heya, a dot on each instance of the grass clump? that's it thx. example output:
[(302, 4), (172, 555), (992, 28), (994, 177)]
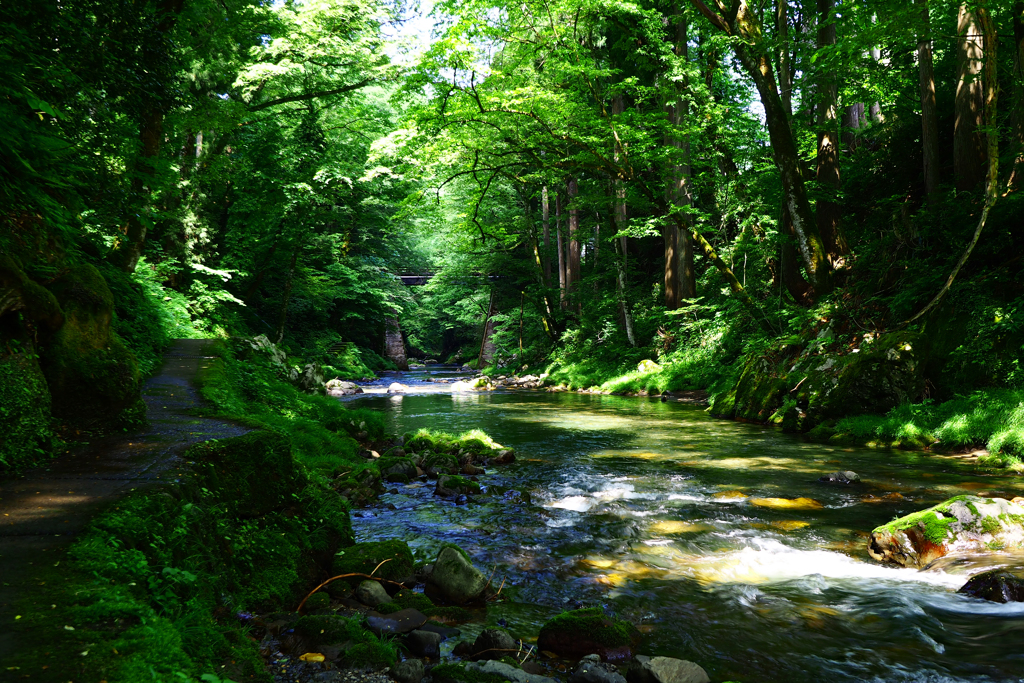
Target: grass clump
[(474, 441), (993, 418)]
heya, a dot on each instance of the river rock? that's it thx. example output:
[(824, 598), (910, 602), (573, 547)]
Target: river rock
[(397, 388), (503, 457), (409, 671), (592, 670), (997, 585), (424, 643), (506, 671), (494, 643), (451, 486), (337, 387), (960, 524), (843, 478), (455, 578), (588, 631), (461, 387), (404, 621), (665, 670), (371, 593)]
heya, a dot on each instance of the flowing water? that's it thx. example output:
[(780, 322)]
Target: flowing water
[(674, 520)]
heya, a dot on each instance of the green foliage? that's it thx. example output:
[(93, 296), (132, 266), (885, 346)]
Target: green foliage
[(474, 441), (24, 413), (993, 418)]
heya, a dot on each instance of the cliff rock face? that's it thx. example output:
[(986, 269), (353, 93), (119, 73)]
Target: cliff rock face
[(958, 525), (801, 388)]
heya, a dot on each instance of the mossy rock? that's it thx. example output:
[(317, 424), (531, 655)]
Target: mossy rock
[(588, 631), (397, 469), (93, 377), (318, 600), (24, 414), (449, 485), (326, 629), (440, 463), (362, 558), (254, 473), (32, 300), (450, 672), (960, 524)]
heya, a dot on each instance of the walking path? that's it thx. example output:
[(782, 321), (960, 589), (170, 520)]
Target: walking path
[(42, 512)]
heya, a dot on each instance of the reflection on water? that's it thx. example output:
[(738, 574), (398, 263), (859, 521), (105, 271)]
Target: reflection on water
[(714, 536)]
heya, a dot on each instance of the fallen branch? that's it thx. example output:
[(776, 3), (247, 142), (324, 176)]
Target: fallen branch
[(346, 576)]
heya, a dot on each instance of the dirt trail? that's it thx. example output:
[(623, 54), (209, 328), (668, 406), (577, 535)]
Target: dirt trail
[(41, 513)]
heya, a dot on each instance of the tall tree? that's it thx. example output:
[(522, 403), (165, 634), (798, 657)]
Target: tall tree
[(828, 212), (679, 246), (741, 21), (1017, 116), (968, 138), (929, 110)]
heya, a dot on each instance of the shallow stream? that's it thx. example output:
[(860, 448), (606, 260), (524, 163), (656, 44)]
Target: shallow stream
[(673, 519)]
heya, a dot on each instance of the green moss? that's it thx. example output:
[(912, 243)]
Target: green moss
[(453, 482), (363, 558), (457, 673), (327, 629), (24, 414), (372, 653), (597, 627), (318, 600), (936, 530), (990, 525)]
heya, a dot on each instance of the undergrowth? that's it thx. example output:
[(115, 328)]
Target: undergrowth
[(993, 418), (243, 386)]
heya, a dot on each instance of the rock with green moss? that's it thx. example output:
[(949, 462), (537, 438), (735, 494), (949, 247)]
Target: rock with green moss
[(318, 600), (93, 377), (325, 629), (363, 558), (451, 485), (960, 524), (455, 578), (665, 670), (440, 463), (397, 470), (589, 631), (24, 413)]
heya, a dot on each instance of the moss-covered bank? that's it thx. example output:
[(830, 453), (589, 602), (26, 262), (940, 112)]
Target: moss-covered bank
[(161, 585)]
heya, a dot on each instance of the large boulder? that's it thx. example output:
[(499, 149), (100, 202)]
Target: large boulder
[(798, 387), (93, 377), (997, 585), (455, 577), (665, 670), (337, 387), (960, 524), (588, 631)]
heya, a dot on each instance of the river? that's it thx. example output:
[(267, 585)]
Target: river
[(673, 519)]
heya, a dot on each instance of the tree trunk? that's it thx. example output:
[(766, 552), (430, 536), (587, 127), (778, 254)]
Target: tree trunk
[(572, 275), (682, 187), (151, 134), (287, 295), (929, 111), (562, 284), (968, 140), (752, 51), (785, 72), (828, 209), (789, 264), (620, 215), (1017, 117), (545, 209), (852, 116)]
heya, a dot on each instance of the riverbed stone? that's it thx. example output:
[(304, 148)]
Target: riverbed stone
[(424, 643), (450, 486), (403, 621), (842, 478), (371, 593), (960, 524), (391, 560), (665, 670), (997, 585), (397, 388), (494, 643), (337, 387), (455, 578), (409, 671), (592, 670), (506, 671), (589, 631)]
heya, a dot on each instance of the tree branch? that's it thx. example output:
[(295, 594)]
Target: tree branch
[(313, 95)]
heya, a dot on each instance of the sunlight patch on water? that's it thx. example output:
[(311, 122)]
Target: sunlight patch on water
[(787, 503), (678, 527)]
